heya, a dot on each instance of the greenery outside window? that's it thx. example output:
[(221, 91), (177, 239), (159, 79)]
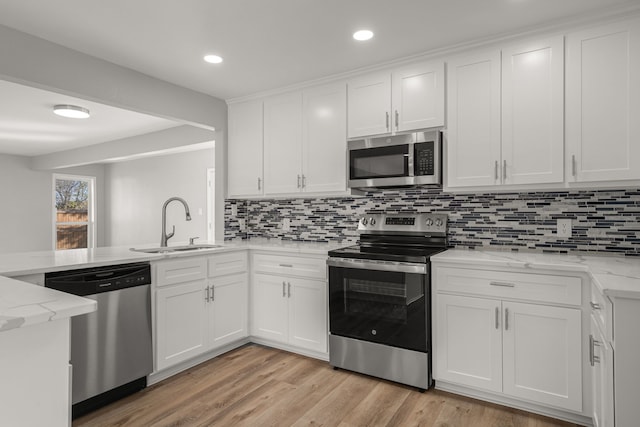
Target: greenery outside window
[(74, 212)]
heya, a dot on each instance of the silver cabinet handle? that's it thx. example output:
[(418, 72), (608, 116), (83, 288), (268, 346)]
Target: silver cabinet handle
[(207, 297), (593, 359), (496, 170), (573, 165), (259, 184), (387, 113), (504, 170), (284, 294), (213, 293), (286, 265), (289, 289), (397, 120), (503, 284), (497, 318), (595, 306), (506, 319), (298, 181), (304, 181)]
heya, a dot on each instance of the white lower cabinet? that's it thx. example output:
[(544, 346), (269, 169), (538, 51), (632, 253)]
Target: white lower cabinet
[(530, 351), (601, 360), (290, 309), (202, 314)]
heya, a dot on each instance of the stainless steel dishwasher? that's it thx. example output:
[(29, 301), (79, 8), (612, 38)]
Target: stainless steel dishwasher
[(111, 349)]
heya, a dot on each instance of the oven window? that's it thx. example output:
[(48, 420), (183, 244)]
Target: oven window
[(381, 162), (379, 306)]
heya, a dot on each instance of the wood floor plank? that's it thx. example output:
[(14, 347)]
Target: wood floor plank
[(261, 386)]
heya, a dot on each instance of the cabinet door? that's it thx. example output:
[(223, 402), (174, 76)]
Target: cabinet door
[(533, 112), (181, 314), (542, 354), (270, 304), (308, 314), (369, 105), (601, 358), (324, 149), (283, 144), (418, 96), (603, 103), (244, 170), (473, 116), (228, 313), (468, 342)]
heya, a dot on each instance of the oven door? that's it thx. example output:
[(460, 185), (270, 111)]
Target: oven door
[(380, 301)]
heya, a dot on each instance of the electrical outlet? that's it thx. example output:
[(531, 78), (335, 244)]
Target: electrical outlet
[(286, 224), (564, 227)]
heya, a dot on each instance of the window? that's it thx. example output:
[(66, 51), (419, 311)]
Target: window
[(74, 220)]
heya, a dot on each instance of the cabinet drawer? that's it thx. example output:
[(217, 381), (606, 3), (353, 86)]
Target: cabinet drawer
[(227, 263), (314, 268), (180, 271), (602, 311), (502, 284)]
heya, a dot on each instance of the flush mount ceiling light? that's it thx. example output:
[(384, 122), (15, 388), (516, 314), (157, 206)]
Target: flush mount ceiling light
[(363, 35), (213, 59), (71, 111)]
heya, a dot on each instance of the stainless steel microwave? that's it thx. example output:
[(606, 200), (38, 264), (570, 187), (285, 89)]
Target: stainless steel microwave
[(396, 161)]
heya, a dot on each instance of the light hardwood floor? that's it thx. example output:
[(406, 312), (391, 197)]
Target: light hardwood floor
[(260, 386)]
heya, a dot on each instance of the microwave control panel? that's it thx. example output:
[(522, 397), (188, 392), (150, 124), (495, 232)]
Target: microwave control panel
[(424, 158)]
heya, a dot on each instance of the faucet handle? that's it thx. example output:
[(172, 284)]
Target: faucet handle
[(173, 231), (191, 239)]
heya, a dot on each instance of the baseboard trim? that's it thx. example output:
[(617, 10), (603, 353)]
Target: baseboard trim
[(514, 403)]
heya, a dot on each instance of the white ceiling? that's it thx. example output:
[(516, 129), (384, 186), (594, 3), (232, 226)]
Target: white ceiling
[(28, 126), (266, 44)]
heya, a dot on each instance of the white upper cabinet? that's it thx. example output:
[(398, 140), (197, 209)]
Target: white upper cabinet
[(245, 149), (369, 100), (533, 112), (603, 103), (405, 99), (283, 144), (505, 116), (324, 147), (473, 115), (418, 96)]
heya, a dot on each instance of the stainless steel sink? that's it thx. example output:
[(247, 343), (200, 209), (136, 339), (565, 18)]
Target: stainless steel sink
[(169, 249)]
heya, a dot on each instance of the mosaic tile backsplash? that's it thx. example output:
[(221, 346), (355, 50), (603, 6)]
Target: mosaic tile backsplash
[(602, 221)]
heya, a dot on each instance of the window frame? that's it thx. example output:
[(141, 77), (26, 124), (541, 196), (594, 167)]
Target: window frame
[(91, 219)]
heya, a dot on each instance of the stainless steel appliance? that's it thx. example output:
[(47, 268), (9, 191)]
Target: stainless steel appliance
[(380, 297), (111, 350), (396, 161)]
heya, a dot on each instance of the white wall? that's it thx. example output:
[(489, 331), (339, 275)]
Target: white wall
[(137, 189), (26, 208)]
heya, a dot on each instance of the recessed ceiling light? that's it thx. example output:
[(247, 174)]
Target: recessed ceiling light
[(213, 59), (363, 35), (71, 111)]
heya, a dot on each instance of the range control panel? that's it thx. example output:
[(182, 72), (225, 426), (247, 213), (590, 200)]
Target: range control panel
[(425, 223)]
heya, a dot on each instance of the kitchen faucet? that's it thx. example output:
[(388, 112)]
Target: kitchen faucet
[(165, 236)]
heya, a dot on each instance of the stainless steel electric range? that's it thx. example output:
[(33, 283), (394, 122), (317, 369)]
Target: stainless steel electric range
[(380, 297)]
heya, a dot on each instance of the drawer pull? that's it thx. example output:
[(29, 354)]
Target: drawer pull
[(503, 284), (595, 305), (286, 265), (284, 292), (497, 318)]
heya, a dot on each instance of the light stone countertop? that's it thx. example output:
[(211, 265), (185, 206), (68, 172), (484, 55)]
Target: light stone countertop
[(23, 304), (615, 276)]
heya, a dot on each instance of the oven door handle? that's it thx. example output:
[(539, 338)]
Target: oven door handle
[(360, 264)]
